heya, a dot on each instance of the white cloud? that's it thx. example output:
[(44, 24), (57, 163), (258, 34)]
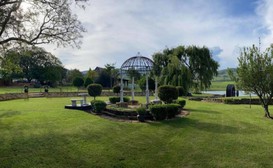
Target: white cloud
[(119, 29)]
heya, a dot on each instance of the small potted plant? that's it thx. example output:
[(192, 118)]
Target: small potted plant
[(141, 114)]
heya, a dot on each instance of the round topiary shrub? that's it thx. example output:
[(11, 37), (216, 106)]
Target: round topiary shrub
[(88, 81), (164, 111), (158, 112), (98, 105), (167, 93), (116, 89), (78, 82), (172, 110), (94, 90)]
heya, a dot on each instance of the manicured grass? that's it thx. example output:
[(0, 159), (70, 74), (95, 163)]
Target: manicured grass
[(17, 89), (220, 85), (41, 133)]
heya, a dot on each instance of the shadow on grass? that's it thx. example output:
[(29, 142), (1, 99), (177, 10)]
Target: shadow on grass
[(53, 149), (203, 111), (9, 114), (180, 123), (50, 150)]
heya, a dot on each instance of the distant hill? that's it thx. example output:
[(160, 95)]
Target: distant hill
[(223, 75)]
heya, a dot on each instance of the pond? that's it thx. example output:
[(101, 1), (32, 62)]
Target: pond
[(241, 93)]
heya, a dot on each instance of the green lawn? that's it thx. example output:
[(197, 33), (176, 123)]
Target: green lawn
[(220, 85), (17, 89), (41, 133)]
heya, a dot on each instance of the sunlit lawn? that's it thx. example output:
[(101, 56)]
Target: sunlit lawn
[(220, 85), (41, 133)]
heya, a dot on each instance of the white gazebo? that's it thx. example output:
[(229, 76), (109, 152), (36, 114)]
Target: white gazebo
[(141, 64)]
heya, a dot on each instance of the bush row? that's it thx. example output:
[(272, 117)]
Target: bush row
[(116, 99), (164, 111)]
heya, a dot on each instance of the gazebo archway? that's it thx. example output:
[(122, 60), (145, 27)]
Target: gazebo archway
[(141, 64)]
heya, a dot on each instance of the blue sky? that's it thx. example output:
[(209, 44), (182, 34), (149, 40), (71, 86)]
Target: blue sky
[(119, 29)]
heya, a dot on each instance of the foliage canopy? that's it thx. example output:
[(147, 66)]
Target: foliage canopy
[(255, 74), (35, 22), (190, 66)]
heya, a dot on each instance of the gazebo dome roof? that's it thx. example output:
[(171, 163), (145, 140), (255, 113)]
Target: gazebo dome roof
[(140, 63)]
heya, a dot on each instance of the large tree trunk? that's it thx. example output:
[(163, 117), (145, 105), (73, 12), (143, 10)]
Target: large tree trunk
[(266, 112)]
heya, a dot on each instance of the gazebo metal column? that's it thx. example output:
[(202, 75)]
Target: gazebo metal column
[(147, 88), (133, 88), (156, 90), (121, 86)]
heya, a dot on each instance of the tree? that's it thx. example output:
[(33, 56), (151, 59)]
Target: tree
[(72, 74), (176, 74), (142, 83), (201, 65), (103, 79), (87, 81), (32, 63), (109, 68), (255, 74), (9, 65), (78, 82), (91, 74), (190, 66), (35, 22)]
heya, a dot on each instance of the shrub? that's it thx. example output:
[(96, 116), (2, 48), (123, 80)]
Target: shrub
[(78, 82), (172, 110), (94, 90), (116, 99), (181, 91), (163, 111), (116, 89), (141, 110), (182, 103), (158, 112), (167, 93), (88, 81), (98, 105)]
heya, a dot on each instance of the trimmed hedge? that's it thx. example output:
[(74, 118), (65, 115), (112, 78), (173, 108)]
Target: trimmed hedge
[(116, 99), (94, 90), (164, 111), (182, 103), (167, 93), (141, 110), (98, 105)]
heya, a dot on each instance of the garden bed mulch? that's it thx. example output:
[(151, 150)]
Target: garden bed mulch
[(183, 113)]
